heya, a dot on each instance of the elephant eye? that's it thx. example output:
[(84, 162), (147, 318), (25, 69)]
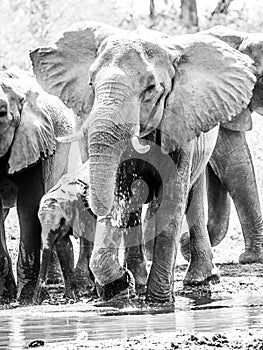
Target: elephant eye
[(149, 92), (150, 88), (3, 111)]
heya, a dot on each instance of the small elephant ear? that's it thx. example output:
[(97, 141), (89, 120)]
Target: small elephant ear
[(34, 137), (213, 83), (63, 68), (232, 37)]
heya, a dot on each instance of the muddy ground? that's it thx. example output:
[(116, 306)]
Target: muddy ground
[(237, 285), (179, 340), (240, 290)]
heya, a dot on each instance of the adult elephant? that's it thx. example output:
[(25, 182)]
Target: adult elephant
[(230, 172), (133, 84), (31, 161)]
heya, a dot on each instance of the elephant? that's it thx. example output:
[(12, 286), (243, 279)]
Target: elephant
[(31, 161), (65, 210), (230, 172), (133, 84)]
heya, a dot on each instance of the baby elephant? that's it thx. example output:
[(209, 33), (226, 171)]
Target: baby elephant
[(64, 211)]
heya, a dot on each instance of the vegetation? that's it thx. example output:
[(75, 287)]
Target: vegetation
[(27, 24)]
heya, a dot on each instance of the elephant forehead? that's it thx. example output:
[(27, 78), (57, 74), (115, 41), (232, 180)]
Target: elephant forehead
[(133, 48)]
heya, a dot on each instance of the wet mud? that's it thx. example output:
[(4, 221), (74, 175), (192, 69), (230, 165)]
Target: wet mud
[(228, 315)]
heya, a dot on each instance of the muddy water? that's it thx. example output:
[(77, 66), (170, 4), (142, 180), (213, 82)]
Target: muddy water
[(19, 326)]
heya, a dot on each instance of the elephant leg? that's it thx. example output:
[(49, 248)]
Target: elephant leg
[(169, 218), (201, 268), (219, 204), (135, 255), (232, 163), (65, 254), (7, 281), (31, 189), (113, 279), (148, 227), (54, 271), (218, 213), (83, 276)]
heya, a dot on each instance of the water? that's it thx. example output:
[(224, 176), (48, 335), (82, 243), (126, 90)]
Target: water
[(18, 327)]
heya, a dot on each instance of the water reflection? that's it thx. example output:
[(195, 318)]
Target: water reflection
[(19, 328)]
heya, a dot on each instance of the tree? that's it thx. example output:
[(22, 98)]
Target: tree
[(189, 13), (221, 7), (152, 6)]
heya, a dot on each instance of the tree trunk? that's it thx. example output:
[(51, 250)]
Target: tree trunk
[(189, 13), (222, 7), (152, 5)]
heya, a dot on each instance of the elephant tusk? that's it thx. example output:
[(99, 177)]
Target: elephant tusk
[(138, 146), (71, 138)]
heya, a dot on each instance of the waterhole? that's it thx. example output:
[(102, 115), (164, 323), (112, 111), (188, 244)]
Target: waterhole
[(82, 322)]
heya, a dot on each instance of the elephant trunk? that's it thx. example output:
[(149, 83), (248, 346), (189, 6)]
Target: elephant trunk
[(48, 238), (107, 139), (46, 257)]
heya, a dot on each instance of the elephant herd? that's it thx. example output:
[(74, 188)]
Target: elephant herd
[(161, 121)]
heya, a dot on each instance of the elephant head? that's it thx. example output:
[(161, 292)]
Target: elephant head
[(28, 126), (130, 83), (250, 44)]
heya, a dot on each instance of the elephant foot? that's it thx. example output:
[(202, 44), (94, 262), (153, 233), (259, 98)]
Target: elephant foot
[(201, 273), (185, 246), (38, 297), (140, 273), (251, 256), (84, 284), (122, 288), (158, 292), (8, 289), (152, 298), (26, 294), (71, 291)]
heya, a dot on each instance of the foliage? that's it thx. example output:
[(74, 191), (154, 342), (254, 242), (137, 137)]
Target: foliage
[(30, 23)]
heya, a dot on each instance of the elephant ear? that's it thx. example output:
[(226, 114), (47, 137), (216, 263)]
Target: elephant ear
[(250, 44), (232, 37), (242, 122), (63, 68), (213, 83), (253, 47), (34, 137)]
